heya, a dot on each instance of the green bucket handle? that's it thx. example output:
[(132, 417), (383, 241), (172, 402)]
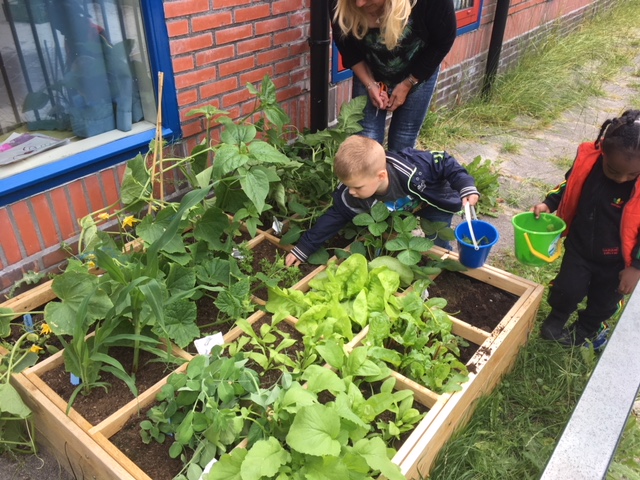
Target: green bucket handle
[(541, 256)]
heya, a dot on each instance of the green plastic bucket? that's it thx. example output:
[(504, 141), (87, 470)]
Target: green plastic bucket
[(537, 239)]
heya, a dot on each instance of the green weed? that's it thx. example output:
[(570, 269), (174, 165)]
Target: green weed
[(564, 163), (626, 464), (510, 147), (486, 175), (510, 435), (516, 196)]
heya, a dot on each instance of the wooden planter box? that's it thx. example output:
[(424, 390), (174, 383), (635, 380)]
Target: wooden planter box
[(78, 445), (87, 449), (493, 358)]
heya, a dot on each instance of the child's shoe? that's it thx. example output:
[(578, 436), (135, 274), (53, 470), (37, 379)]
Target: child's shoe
[(553, 326), (576, 336), (601, 338)]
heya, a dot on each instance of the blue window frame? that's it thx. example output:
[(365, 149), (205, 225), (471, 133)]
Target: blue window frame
[(338, 71), (45, 177)]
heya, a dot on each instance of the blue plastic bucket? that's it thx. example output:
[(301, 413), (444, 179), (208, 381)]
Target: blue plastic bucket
[(486, 235)]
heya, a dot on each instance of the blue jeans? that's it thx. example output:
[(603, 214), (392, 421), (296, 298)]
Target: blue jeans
[(406, 121), (434, 215)]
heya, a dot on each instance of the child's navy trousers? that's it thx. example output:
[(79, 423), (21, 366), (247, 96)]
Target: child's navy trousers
[(579, 278)]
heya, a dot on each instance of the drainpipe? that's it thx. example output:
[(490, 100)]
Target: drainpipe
[(495, 45), (319, 42)]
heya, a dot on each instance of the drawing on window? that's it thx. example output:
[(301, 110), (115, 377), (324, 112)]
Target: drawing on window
[(73, 65), (462, 4)]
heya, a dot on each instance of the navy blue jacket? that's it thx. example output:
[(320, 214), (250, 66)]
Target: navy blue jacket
[(433, 179)]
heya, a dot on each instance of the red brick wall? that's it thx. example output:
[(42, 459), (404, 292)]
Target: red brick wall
[(39, 233), (218, 46), (33, 229)]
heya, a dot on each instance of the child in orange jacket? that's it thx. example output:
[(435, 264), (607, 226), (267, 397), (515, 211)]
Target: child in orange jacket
[(600, 203)]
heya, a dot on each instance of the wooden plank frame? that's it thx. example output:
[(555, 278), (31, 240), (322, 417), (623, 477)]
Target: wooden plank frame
[(86, 448), (493, 359)]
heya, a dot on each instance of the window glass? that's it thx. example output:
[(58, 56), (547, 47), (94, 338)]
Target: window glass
[(72, 69), (460, 4)]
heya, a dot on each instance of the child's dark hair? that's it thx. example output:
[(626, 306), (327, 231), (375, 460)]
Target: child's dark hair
[(621, 134)]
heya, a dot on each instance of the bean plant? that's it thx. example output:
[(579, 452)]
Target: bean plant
[(17, 432)]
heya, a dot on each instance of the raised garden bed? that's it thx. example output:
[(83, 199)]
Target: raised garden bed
[(83, 447), (493, 358)]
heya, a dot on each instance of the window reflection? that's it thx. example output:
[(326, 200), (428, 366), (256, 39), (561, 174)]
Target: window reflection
[(74, 66), (462, 4)]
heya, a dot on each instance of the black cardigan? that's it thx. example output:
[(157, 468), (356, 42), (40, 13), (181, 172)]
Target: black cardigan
[(435, 23)]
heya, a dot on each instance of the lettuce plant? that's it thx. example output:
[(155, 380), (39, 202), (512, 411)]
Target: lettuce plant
[(340, 299), (420, 343)]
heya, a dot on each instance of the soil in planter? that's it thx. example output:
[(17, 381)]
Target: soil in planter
[(338, 241), (243, 237), (273, 376), (466, 353), (153, 459), (98, 404), (210, 320), (472, 301), (269, 251)]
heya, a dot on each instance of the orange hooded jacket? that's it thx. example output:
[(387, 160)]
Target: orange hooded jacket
[(588, 155)]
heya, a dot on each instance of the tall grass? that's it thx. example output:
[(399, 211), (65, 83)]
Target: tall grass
[(514, 430), (552, 76)]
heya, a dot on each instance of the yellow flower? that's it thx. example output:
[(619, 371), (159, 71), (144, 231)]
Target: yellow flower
[(91, 264), (35, 348), (45, 329), (104, 216), (129, 221)]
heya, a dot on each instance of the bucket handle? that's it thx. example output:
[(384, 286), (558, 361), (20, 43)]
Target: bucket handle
[(468, 210), (541, 256)]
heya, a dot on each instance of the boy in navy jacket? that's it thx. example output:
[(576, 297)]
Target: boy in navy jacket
[(433, 182)]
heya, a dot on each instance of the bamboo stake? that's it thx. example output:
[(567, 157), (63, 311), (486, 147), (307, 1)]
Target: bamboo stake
[(158, 143), (159, 133)]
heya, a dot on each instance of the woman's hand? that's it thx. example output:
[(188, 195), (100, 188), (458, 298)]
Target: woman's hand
[(378, 96), (628, 280), (540, 208), (291, 260), (398, 96), (472, 200)]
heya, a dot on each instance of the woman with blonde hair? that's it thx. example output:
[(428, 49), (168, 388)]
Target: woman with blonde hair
[(394, 48)]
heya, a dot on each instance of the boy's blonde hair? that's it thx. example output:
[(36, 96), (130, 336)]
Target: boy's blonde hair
[(359, 157), (353, 20)]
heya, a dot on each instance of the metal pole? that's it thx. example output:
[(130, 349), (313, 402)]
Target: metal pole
[(495, 45), (319, 43)]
